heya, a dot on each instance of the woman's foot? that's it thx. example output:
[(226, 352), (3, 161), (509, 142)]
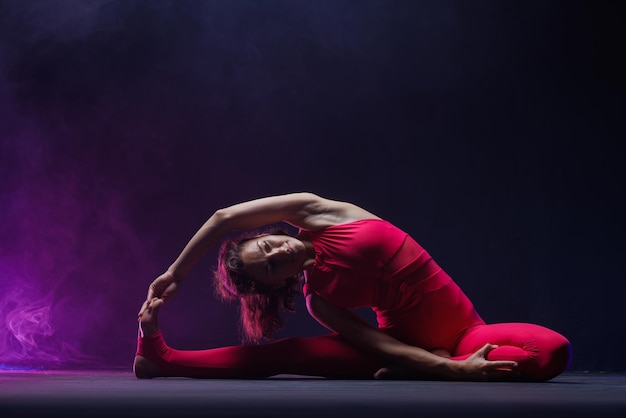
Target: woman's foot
[(403, 373), (148, 325), (394, 373), (441, 352), (149, 322)]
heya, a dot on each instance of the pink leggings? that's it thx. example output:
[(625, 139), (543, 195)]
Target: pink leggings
[(540, 352)]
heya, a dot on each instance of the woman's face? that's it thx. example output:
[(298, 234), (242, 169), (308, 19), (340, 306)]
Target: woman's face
[(271, 259)]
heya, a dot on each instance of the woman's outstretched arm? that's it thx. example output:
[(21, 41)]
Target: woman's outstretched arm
[(366, 337), (303, 210)]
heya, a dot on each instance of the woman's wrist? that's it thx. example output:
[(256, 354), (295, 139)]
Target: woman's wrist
[(454, 369), (177, 274)]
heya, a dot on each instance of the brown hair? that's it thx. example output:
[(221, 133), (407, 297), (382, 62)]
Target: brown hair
[(261, 305)]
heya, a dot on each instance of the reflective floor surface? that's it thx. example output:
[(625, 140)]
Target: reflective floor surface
[(119, 394)]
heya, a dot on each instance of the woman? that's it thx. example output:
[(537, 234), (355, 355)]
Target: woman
[(349, 257)]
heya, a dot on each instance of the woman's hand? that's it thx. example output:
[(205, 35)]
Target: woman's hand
[(163, 287), (477, 367)]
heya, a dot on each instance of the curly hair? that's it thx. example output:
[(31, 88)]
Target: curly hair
[(261, 305)]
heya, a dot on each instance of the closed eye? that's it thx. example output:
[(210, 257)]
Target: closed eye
[(263, 247)]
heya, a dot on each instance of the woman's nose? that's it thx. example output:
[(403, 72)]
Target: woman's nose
[(281, 249)]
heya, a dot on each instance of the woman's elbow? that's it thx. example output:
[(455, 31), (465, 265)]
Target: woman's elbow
[(220, 214), (316, 307), (311, 303)]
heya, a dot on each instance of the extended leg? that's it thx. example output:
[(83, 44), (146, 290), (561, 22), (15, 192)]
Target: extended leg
[(326, 356)]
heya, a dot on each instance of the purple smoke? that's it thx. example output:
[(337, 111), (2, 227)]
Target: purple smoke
[(57, 239), (67, 243), (73, 264), (29, 335)]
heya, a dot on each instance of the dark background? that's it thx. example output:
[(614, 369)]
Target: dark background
[(489, 130)]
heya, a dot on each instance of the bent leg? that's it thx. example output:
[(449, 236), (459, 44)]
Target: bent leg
[(540, 352)]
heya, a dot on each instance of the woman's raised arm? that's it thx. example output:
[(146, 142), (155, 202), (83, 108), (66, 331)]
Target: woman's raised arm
[(304, 210)]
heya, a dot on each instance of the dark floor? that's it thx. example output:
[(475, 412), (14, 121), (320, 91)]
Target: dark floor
[(119, 394)]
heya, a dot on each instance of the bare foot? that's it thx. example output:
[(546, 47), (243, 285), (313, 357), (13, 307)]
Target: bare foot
[(441, 352), (394, 373), (149, 323), (403, 373), (142, 367)]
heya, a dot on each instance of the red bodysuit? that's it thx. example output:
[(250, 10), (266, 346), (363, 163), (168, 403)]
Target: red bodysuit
[(373, 263)]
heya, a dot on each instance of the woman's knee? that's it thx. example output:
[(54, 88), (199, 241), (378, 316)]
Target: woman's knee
[(551, 356)]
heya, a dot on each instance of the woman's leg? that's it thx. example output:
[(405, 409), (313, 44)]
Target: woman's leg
[(541, 353), (326, 356)]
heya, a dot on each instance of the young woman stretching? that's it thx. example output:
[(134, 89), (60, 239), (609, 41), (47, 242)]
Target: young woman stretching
[(343, 257)]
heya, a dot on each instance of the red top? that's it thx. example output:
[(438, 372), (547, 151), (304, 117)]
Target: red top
[(361, 263)]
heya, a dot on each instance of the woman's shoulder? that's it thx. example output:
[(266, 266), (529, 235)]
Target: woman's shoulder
[(368, 226), (327, 212)]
